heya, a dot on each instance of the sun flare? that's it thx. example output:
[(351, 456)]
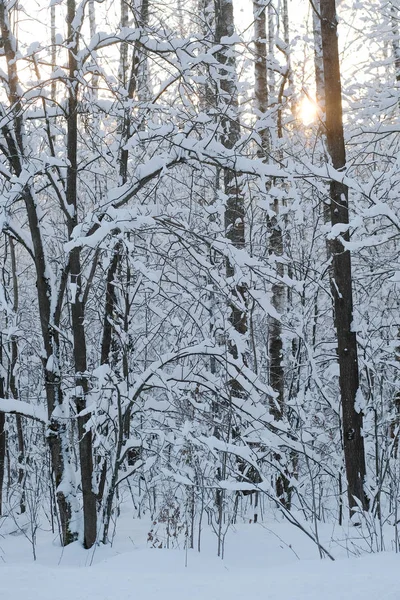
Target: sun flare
[(307, 111)]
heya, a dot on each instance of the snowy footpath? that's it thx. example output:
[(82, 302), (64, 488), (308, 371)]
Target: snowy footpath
[(260, 564)]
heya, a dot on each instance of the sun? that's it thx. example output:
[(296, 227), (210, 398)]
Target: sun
[(308, 111)]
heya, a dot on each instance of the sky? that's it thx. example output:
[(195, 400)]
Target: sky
[(352, 29)]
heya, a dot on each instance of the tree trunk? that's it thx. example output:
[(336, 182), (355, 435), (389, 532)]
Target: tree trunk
[(235, 208), (261, 73), (275, 346), (227, 101), (13, 387), (341, 273), (318, 58), (394, 19), (276, 374), (53, 89), (131, 76), (77, 304), (2, 428), (92, 31), (15, 146)]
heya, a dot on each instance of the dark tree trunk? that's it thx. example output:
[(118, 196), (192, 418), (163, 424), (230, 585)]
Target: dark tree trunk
[(131, 77), (77, 303), (109, 308), (15, 148), (13, 387), (341, 274)]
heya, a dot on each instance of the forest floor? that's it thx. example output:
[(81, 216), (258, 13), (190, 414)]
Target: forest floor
[(263, 561)]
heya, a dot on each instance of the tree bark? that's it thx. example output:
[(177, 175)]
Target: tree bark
[(341, 273), (276, 373), (261, 73), (53, 89), (15, 146), (227, 102), (235, 208), (318, 58), (275, 344), (77, 304), (394, 20), (2, 428), (13, 387)]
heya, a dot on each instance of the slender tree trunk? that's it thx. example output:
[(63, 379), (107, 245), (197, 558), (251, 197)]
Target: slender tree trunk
[(276, 372), (110, 302), (271, 47), (261, 72), (320, 90), (394, 18), (2, 428), (235, 208), (227, 102), (341, 273), (92, 31), (275, 345), (180, 18), (130, 79), (15, 146), (53, 89), (13, 387), (77, 304), (318, 58)]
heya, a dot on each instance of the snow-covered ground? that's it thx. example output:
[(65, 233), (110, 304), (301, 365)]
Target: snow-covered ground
[(262, 562)]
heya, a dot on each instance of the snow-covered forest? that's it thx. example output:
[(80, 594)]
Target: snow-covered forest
[(199, 269)]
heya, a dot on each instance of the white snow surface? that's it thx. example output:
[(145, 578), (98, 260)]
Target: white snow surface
[(270, 561)]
